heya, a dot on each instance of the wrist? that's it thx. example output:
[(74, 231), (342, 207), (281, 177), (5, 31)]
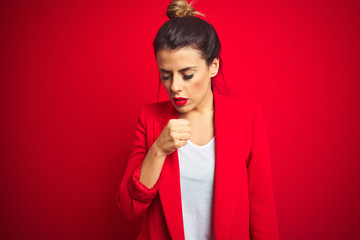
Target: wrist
[(156, 150)]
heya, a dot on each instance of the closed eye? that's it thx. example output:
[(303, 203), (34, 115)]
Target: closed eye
[(188, 76), (165, 77), (185, 77)]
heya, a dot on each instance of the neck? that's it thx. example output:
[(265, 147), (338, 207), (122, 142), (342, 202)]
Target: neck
[(207, 104)]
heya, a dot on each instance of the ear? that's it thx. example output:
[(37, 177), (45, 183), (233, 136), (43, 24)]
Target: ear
[(214, 67)]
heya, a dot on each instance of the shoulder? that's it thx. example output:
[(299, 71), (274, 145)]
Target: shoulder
[(247, 112), (248, 109), (240, 105), (230, 99)]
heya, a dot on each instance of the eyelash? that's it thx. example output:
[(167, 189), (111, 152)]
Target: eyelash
[(188, 76), (185, 77)]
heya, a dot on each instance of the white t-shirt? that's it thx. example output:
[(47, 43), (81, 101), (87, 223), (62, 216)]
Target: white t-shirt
[(197, 168)]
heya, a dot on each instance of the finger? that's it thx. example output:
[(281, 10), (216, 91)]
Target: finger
[(180, 136), (182, 121), (182, 129), (181, 143), (184, 136)]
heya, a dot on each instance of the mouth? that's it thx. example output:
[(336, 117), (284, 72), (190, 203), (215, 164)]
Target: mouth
[(180, 101)]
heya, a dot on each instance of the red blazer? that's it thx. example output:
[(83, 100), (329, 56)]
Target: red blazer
[(243, 196)]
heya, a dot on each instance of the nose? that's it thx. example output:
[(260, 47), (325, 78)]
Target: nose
[(176, 84)]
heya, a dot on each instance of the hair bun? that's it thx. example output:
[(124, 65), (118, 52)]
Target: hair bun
[(181, 9)]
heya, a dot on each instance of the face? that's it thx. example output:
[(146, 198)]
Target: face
[(185, 74)]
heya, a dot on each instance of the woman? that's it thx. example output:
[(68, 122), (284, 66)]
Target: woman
[(186, 184)]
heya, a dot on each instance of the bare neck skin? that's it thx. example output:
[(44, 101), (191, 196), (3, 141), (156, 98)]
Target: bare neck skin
[(201, 121), (203, 109)]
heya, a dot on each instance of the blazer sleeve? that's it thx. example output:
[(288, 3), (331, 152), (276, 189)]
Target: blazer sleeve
[(133, 197), (263, 219)]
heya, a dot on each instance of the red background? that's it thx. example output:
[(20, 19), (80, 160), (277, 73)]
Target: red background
[(73, 75)]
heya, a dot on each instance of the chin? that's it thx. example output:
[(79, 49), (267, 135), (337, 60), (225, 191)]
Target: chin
[(181, 109)]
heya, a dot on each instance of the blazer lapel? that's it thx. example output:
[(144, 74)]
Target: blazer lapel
[(226, 165), (169, 181)]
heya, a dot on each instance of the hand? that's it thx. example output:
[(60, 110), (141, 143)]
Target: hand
[(174, 135)]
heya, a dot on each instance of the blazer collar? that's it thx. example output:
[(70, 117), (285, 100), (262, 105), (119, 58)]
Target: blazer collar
[(226, 174)]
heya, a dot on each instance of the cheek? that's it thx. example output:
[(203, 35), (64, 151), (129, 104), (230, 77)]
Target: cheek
[(194, 88), (200, 84), (166, 85)]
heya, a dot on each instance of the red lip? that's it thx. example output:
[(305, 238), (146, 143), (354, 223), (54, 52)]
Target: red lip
[(180, 101)]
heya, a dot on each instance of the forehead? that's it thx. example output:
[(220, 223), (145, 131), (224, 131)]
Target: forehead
[(179, 58)]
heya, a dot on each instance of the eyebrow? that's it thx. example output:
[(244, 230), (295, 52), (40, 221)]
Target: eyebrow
[(181, 70)]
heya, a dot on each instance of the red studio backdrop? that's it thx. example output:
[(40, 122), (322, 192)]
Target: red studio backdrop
[(74, 74)]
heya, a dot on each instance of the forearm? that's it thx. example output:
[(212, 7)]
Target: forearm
[(151, 166)]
